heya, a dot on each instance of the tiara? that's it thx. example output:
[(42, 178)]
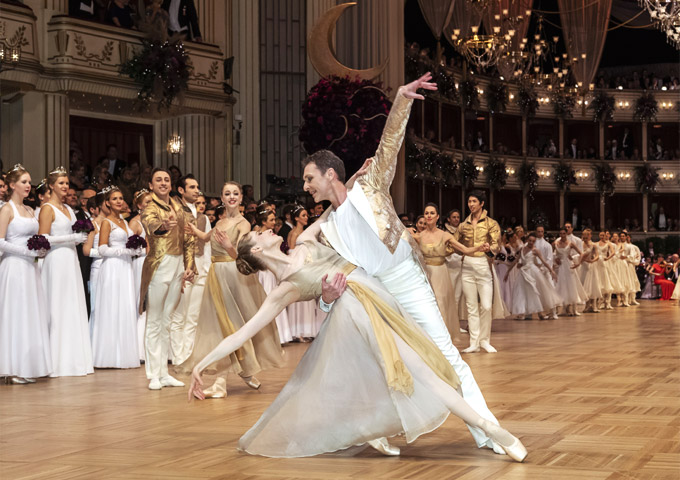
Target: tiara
[(297, 208), (109, 188), (141, 193), (16, 167), (60, 170), (42, 183)]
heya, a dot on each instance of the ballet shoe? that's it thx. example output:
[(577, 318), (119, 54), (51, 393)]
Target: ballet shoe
[(486, 346), (155, 384), (635, 302), (170, 381), (576, 314), (471, 349), (384, 447), (17, 380), (515, 450), (252, 382), (29, 380), (217, 389), (462, 330)]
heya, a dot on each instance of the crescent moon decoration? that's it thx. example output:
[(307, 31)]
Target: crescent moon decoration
[(320, 48)]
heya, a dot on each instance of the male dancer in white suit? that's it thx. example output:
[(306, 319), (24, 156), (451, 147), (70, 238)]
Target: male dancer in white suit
[(363, 227)]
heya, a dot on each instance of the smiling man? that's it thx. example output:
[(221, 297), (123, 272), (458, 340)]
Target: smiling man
[(169, 263), (363, 227)]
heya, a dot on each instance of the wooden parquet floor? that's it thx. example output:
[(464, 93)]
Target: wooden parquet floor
[(594, 397)]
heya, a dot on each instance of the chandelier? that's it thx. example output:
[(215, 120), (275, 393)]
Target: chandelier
[(666, 15)]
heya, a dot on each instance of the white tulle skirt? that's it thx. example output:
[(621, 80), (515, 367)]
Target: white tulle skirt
[(24, 334), (268, 281), (569, 285)]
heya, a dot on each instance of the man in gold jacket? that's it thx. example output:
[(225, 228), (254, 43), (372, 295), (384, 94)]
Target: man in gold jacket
[(169, 263), (363, 227), (477, 274)]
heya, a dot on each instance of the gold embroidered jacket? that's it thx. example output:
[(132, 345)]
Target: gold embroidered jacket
[(165, 242), (486, 231)]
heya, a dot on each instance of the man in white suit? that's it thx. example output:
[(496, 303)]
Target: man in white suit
[(362, 225)]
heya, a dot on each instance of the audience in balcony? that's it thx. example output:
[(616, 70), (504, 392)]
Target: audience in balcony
[(638, 81), (183, 19), (120, 14), (86, 9)]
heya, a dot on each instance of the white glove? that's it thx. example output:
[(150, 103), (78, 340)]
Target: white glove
[(94, 253), (106, 251), (73, 239), (7, 247)]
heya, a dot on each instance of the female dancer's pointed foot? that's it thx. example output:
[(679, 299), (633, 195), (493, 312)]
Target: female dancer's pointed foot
[(252, 382), (384, 447), (508, 442), (217, 389)]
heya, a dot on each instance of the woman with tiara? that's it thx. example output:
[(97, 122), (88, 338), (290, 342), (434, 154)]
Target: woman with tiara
[(372, 372), (621, 271), (63, 283), (141, 199), (302, 315), (568, 282), (512, 248), (91, 249), (589, 269), (24, 335), (229, 301), (266, 220), (603, 267), (114, 335)]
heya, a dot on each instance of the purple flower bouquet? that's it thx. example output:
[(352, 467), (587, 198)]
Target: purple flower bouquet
[(83, 226), (511, 258), (37, 243), (135, 241)]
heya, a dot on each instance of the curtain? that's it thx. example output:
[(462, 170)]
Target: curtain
[(463, 18), (584, 25), (437, 14)]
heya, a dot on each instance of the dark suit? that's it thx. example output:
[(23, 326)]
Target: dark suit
[(75, 10), (627, 144), (117, 168), (186, 17), (285, 230), (85, 263)]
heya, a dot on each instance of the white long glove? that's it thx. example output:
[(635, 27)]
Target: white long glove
[(7, 247), (106, 251), (74, 239), (94, 253)]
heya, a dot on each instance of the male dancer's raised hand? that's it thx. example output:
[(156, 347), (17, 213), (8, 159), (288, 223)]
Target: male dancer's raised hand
[(410, 90)]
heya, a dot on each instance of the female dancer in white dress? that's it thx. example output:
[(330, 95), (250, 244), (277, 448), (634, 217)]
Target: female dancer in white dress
[(454, 262), (266, 220), (604, 272), (302, 315), (633, 258), (368, 346), (588, 268), (114, 336), (24, 335), (63, 284), (621, 271), (91, 249), (513, 248), (142, 199), (533, 293), (568, 282)]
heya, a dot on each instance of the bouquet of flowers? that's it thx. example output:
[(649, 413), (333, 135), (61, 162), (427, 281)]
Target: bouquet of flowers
[(37, 243), (82, 226), (135, 242), (500, 256), (511, 258)]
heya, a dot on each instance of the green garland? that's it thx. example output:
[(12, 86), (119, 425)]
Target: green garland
[(446, 85), (605, 179), (496, 175), (429, 164), (527, 100), (468, 172), (162, 70), (538, 218), (646, 178), (564, 176), (563, 104), (528, 177), (496, 95), (646, 108), (469, 96), (603, 106)]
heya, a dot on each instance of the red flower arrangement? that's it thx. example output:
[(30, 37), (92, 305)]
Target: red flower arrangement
[(346, 117)]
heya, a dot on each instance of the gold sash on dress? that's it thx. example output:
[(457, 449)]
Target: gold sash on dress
[(218, 301), (435, 261), (384, 320)]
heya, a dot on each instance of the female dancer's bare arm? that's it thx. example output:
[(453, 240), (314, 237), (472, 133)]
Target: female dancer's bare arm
[(279, 298)]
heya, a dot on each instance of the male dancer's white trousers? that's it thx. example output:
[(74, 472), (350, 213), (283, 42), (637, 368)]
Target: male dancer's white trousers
[(477, 282), (162, 298), (185, 319), (409, 285)]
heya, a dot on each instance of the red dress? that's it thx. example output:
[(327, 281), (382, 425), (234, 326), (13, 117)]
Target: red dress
[(666, 285)]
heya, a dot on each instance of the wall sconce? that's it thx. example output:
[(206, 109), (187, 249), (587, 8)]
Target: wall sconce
[(509, 170), (625, 176), (544, 100), (667, 175), (512, 96), (666, 105), (9, 54), (175, 145), (623, 104), (480, 169), (582, 174), (543, 173)]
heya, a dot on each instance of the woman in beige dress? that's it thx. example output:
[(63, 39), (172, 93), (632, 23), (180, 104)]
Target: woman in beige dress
[(229, 300), (436, 245)]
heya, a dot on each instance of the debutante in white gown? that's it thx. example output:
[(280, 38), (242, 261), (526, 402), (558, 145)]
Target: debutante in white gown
[(268, 281), (94, 275), (508, 287), (568, 282), (24, 334), (589, 273), (63, 285), (611, 267), (137, 266), (603, 271), (621, 270), (114, 337), (533, 293)]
